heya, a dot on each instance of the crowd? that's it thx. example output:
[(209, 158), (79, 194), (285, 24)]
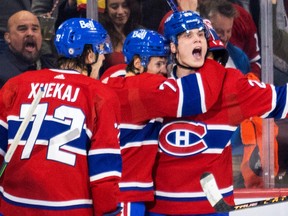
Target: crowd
[(136, 106)]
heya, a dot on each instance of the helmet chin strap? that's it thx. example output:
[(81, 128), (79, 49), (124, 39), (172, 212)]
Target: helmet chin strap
[(182, 66)]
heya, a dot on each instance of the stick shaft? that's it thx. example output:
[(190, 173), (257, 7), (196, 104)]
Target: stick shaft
[(217, 201), (3, 167), (21, 130), (172, 5), (259, 203)]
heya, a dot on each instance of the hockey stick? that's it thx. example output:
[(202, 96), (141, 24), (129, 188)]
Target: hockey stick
[(21, 130), (216, 200), (172, 5)]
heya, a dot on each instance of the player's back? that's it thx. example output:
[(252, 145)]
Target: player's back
[(49, 170)]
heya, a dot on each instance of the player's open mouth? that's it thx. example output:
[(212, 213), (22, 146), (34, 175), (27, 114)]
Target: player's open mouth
[(197, 52)]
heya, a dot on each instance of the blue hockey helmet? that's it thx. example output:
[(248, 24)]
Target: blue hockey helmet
[(146, 44), (182, 21), (73, 34)]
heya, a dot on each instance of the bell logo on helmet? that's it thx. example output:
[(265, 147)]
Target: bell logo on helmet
[(139, 34), (90, 24)]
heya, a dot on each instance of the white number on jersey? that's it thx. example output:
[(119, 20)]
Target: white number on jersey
[(57, 142)]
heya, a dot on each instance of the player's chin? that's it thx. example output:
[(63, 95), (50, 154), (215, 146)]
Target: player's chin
[(197, 63)]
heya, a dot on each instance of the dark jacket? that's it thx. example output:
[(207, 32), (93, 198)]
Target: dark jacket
[(12, 65)]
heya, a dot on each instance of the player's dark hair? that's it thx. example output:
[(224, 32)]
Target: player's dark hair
[(131, 68), (78, 62)]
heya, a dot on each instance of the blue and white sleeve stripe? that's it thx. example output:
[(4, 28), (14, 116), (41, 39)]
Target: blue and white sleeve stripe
[(104, 163), (279, 103), (192, 96)]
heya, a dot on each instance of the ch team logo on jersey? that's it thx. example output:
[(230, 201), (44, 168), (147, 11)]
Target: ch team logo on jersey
[(183, 138)]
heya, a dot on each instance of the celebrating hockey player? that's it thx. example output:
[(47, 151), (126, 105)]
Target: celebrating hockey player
[(146, 53), (190, 146)]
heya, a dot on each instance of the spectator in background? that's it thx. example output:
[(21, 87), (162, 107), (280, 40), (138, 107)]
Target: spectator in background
[(120, 17), (7, 8), (24, 39), (245, 36), (47, 12), (222, 13)]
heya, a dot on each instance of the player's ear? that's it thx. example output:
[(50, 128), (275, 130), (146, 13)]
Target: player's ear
[(137, 63), (173, 47)]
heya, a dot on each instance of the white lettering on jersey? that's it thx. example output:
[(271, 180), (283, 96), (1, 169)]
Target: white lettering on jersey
[(56, 90), (58, 145), (255, 82), (182, 138)]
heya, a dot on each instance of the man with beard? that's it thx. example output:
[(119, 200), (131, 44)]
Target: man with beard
[(24, 39)]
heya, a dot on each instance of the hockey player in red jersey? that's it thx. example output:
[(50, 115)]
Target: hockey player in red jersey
[(145, 51), (68, 161), (190, 146)]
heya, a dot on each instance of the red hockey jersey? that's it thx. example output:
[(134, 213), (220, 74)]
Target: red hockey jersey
[(68, 161), (190, 146), (144, 98), (147, 96), (139, 146)]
